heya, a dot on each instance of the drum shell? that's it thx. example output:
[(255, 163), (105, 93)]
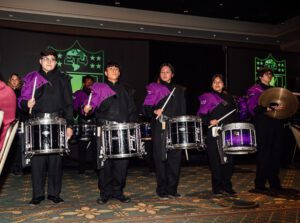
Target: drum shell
[(84, 132), (121, 140), (239, 138), (185, 132), (45, 136)]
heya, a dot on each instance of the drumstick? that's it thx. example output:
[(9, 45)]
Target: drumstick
[(163, 107), (33, 92), (223, 117), (89, 101), (296, 93)]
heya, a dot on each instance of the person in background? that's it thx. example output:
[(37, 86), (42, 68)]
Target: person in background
[(79, 97), (167, 163), (213, 106), (18, 146)]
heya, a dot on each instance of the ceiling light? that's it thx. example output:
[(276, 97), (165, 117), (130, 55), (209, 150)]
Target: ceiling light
[(247, 38), (101, 24), (221, 4), (57, 20), (141, 28), (185, 11), (10, 15), (214, 35), (117, 3), (179, 32), (236, 17), (278, 41)]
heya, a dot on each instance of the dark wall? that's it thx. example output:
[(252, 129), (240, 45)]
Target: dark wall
[(19, 52), (194, 66), (241, 68)]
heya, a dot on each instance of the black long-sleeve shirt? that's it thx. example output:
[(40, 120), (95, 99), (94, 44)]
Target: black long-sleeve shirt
[(118, 108), (55, 96)]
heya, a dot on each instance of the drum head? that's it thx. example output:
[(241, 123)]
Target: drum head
[(185, 118)]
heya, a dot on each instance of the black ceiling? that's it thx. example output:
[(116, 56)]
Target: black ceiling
[(269, 12)]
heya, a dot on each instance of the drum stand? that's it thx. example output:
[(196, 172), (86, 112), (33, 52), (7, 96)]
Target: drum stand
[(296, 132)]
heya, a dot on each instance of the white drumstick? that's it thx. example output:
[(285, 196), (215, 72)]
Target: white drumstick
[(296, 93), (229, 113), (89, 101), (163, 107), (33, 92)]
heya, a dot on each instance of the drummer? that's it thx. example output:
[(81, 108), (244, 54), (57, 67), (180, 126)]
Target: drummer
[(167, 163), (213, 106), (112, 102), (53, 95), (80, 97), (269, 135)]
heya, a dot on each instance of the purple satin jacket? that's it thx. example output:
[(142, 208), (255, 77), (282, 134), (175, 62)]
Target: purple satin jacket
[(79, 97), (253, 94), (155, 92), (28, 83), (100, 92), (208, 102)]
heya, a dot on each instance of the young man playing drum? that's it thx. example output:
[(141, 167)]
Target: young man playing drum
[(112, 103), (213, 106), (47, 93), (167, 163)]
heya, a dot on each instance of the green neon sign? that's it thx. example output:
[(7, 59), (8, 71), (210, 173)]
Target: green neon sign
[(278, 67), (78, 62)]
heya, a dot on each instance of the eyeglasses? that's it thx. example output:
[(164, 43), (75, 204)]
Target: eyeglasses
[(49, 59)]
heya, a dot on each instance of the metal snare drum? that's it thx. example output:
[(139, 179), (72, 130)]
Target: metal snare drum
[(121, 140), (239, 138), (185, 132), (45, 135), (85, 132), (145, 131)]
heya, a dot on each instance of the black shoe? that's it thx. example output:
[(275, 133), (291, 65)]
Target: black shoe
[(217, 192), (259, 190), (36, 201), (123, 198), (163, 197), (102, 200), (230, 192), (175, 195), (55, 200)]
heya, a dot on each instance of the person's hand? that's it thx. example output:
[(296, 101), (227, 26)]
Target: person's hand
[(69, 133), (158, 112), (213, 122), (31, 103), (87, 109), (275, 108)]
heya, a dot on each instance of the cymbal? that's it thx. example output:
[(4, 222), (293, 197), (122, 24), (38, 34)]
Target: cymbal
[(279, 96)]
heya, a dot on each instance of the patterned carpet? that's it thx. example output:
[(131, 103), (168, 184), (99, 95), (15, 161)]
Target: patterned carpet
[(197, 204)]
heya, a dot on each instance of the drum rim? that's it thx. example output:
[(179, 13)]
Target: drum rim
[(123, 155), (46, 121), (47, 151), (186, 146), (238, 125), (183, 118), (120, 126)]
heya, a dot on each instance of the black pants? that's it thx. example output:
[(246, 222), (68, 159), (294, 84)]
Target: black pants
[(220, 173), (269, 135), (87, 152), (43, 166), (15, 154), (112, 177), (167, 171)]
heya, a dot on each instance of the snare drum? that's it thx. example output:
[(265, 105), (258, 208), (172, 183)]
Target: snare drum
[(85, 132), (185, 132), (146, 131), (45, 135), (239, 138), (121, 140)]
